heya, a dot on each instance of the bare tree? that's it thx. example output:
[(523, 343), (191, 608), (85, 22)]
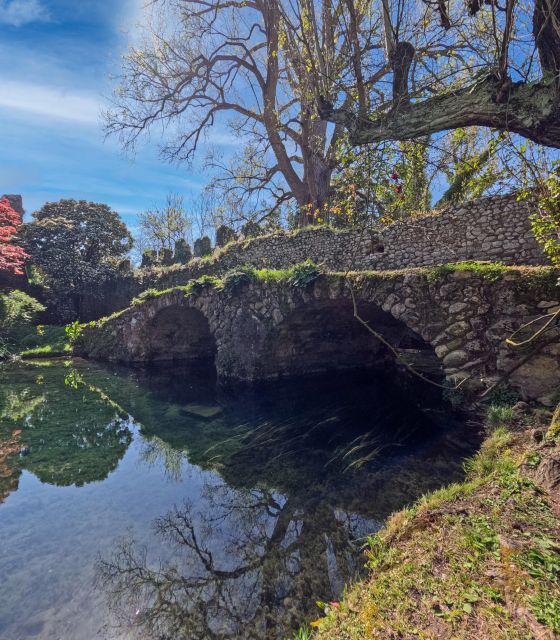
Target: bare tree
[(492, 71), (161, 227), (261, 63)]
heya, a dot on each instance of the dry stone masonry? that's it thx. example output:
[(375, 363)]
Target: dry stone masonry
[(496, 228), (458, 317)]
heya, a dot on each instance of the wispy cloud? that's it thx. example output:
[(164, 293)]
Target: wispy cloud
[(18, 13), (50, 102)]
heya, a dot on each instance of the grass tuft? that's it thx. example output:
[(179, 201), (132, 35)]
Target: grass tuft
[(499, 416)]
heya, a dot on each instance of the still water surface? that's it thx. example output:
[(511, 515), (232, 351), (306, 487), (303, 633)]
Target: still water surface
[(153, 504)]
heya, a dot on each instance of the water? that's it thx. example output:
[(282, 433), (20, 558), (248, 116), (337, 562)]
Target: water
[(153, 504)]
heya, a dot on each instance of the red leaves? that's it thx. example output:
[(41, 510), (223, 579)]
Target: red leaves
[(12, 257)]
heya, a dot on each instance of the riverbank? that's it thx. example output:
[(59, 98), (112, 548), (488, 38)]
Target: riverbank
[(478, 559), (49, 341)]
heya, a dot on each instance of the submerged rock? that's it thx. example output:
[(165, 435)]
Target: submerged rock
[(202, 411)]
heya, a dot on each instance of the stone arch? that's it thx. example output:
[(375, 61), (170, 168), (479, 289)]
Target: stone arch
[(323, 334), (179, 333)]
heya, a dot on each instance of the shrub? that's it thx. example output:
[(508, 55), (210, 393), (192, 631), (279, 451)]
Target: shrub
[(204, 282), (12, 256), (251, 229), (233, 280), (165, 257), (17, 311), (304, 274), (502, 395), (17, 315), (149, 258), (73, 331)]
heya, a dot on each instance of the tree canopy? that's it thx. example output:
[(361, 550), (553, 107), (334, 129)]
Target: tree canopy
[(75, 246), (12, 256), (161, 227), (260, 63), (495, 65), (275, 73)]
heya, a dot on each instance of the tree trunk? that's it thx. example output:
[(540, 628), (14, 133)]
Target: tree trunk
[(317, 181)]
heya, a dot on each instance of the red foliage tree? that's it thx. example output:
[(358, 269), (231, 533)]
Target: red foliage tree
[(12, 256)]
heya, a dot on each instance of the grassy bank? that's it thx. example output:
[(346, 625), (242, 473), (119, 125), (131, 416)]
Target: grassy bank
[(43, 342), (479, 559)]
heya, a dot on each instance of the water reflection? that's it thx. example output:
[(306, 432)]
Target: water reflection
[(250, 565), (58, 428), (216, 513)]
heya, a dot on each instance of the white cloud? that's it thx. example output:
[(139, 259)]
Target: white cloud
[(20, 12), (50, 102)]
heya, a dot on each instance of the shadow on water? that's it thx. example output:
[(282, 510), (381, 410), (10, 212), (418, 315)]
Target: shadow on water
[(290, 477)]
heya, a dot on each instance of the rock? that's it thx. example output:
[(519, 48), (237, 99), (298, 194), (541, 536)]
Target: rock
[(149, 258), (455, 359), (182, 253), (457, 307), (539, 378), (548, 472), (521, 407), (458, 328), (202, 411), (202, 247), (224, 234), (165, 257), (441, 350)]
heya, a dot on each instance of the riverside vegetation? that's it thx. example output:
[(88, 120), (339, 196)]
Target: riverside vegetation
[(476, 559)]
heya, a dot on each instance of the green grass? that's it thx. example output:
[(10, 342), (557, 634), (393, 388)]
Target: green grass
[(149, 294), (488, 270), (463, 561), (546, 609), (298, 276), (498, 415), (49, 341)]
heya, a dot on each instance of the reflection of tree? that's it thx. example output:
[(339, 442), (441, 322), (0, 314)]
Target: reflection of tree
[(14, 408), (72, 435), (156, 451), (248, 565), (9, 474)]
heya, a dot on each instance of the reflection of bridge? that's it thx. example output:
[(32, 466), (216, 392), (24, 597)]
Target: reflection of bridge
[(267, 329)]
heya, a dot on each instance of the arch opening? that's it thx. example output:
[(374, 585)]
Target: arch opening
[(180, 334), (324, 335)]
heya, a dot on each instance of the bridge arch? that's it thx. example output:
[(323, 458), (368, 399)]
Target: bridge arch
[(323, 334), (179, 333)]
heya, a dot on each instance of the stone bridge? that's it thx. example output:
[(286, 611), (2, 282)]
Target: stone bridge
[(453, 321)]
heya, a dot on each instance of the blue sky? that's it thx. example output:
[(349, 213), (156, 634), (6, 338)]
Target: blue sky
[(56, 57)]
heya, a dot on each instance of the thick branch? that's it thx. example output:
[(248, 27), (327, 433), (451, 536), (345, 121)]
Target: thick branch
[(529, 109)]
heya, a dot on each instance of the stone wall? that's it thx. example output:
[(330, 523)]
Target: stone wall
[(262, 329), (494, 229)]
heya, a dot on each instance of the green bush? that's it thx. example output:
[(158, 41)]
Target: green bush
[(17, 310), (304, 274), (233, 280)]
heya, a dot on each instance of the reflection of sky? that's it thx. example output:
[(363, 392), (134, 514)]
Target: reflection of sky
[(55, 60)]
